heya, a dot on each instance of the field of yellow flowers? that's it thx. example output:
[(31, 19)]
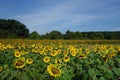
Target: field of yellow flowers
[(59, 59)]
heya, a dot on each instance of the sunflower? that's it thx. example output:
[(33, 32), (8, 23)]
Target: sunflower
[(58, 62), (35, 50), (53, 53), (50, 48), (87, 51), (41, 51), (33, 45), (29, 61), (26, 51), (46, 59), (22, 52), (19, 63), (65, 53), (53, 70), (66, 58), (1, 68), (82, 56), (73, 53), (17, 54)]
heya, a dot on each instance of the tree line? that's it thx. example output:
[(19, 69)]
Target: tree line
[(14, 29), (70, 35)]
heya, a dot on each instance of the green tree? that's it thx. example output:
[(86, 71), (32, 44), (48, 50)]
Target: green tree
[(77, 35), (69, 35), (34, 35), (55, 35), (95, 35), (14, 28)]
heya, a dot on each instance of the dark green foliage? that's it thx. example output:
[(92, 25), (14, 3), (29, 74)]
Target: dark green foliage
[(55, 35), (12, 29), (110, 35), (34, 35)]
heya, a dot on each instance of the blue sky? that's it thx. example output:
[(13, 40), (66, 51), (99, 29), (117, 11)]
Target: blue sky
[(62, 15)]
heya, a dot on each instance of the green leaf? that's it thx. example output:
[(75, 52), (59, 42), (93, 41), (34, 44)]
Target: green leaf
[(79, 67), (98, 72), (102, 67), (95, 78), (116, 71), (91, 72), (13, 74), (63, 78), (5, 75), (108, 74), (25, 77), (2, 60), (102, 78), (98, 60)]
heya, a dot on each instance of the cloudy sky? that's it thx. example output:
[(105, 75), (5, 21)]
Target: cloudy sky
[(62, 15)]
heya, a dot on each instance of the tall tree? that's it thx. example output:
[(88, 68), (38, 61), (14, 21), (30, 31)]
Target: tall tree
[(55, 35), (14, 27)]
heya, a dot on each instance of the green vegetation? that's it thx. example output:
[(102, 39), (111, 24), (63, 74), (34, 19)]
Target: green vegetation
[(14, 29)]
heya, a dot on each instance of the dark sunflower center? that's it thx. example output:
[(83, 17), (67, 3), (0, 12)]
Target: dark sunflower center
[(66, 58), (29, 60), (55, 70), (58, 61), (19, 63), (17, 54), (81, 56), (53, 53), (46, 59)]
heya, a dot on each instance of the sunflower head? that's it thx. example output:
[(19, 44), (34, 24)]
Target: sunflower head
[(73, 53), (82, 56), (19, 63), (53, 70), (53, 53), (87, 51), (46, 59), (29, 60), (66, 58), (58, 62), (50, 48), (17, 54)]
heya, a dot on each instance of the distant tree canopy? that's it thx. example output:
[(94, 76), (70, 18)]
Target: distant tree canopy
[(34, 35), (12, 29), (55, 35), (109, 35)]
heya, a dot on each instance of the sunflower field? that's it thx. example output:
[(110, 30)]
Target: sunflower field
[(59, 59)]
